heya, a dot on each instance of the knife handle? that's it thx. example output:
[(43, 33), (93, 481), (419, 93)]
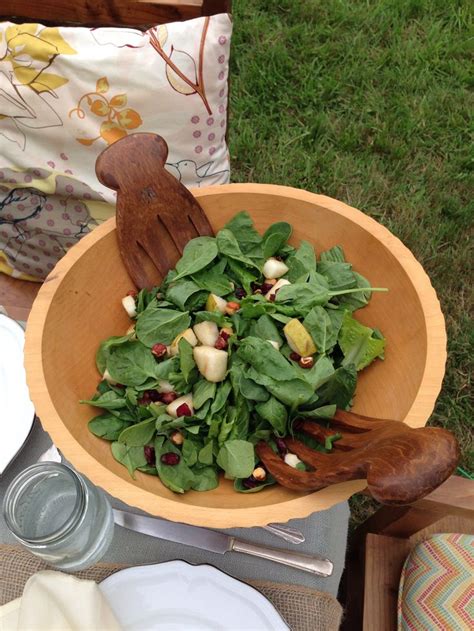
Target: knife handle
[(313, 565)]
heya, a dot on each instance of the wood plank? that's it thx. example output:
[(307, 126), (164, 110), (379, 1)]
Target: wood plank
[(17, 296), (384, 558), (450, 523), (110, 12)]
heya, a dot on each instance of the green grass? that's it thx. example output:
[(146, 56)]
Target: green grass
[(368, 102)]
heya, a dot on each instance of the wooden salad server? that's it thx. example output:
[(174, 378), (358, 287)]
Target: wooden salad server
[(401, 464), (156, 215)]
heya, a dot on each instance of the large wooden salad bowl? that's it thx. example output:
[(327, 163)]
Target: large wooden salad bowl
[(79, 305)]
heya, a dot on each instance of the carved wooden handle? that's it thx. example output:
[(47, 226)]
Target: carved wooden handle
[(401, 464), (156, 215)]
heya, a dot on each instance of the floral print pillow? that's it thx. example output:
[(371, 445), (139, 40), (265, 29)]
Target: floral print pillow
[(68, 92)]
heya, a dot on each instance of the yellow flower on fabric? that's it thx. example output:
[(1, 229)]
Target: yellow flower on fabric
[(31, 51)]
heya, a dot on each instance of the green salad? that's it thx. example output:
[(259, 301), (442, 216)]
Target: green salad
[(244, 337)]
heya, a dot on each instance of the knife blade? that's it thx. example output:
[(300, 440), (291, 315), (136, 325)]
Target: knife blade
[(218, 542)]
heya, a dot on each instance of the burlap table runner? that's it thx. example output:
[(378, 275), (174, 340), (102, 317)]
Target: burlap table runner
[(304, 609)]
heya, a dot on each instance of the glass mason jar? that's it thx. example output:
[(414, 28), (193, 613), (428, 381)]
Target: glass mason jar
[(59, 515)]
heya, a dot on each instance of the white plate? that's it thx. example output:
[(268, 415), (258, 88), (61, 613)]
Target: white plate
[(177, 596), (16, 409)]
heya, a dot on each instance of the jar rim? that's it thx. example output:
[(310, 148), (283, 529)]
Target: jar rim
[(26, 478)]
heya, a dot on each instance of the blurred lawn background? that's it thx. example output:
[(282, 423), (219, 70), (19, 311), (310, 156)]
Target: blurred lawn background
[(368, 101)]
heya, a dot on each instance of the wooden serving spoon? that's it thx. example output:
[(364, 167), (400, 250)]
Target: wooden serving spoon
[(156, 215), (401, 464)]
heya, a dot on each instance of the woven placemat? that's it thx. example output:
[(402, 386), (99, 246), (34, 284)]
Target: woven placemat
[(304, 609)]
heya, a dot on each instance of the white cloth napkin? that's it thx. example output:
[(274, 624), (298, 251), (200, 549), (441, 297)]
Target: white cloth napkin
[(53, 601)]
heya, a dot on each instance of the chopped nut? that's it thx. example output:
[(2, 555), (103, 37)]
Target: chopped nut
[(259, 474), (177, 438), (159, 350), (232, 307), (306, 362), (270, 281), (221, 343)]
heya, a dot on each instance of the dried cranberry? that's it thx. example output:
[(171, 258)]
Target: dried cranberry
[(221, 343), (159, 350), (240, 293), (266, 287), (224, 334), (132, 293), (272, 297), (153, 395), (168, 397), (295, 357), (144, 399), (170, 458), (150, 454), (282, 448), (183, 410)]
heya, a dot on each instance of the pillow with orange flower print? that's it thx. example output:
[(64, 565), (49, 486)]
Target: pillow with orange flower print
[(66, 93)]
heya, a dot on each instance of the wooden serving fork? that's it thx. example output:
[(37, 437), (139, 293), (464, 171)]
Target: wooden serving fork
[(401, 464), (156, 215)]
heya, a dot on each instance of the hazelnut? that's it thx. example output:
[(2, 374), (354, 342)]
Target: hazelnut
[(177, 438), (159, 350), (232, 307), (306, 362), (259, 474)]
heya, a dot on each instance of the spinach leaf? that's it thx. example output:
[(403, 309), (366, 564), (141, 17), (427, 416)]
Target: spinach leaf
[(275, 413), (333, 255), (223, 391), (186, 359), (107, 426), (189, 452), (203, 391), (339, 388), (252, 390), (197, 254), (206, 455), (319, 325), (183, 292), (179, 478), (266, 329), (319, 373), (236, 458), (358, 343), (139, 434), (229, 247), (242, 275), (301, 263), (336, 316), (241, 226), (205, 479), (131, 364), (108, 401), (325, 411), (303, 296), (275, 237), (240, 488), (212, 316), (240, 425), (161, 325), (213, 279), (144, 298), (294, 392), (339, 275), (358, 300), (265, 359), (106, 348), (130, 457)]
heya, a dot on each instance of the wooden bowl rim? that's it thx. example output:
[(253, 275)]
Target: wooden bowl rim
[(300, 506)]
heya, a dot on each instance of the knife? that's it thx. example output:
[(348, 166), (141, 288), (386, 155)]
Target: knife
[(218, 542)]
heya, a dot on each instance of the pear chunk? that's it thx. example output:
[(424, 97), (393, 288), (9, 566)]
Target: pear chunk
[(129, 305), (273, 268), (298, 338), (278, 285), (206, 332), (172, 408), (215, 303), (211, 363), (188, 335)]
